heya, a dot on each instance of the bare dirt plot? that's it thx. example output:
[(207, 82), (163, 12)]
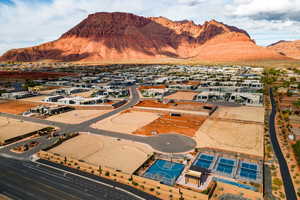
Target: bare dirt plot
[(35, 99), (244, 113), (231, 136), (16, 106), (182, 96), (77, 116), (83, 94), (47, 92), (10, 128), (191, 106), (145, 87), (185, 125), (97, 150), (126, 122)]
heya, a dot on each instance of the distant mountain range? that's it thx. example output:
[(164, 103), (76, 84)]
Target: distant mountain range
[(287, 48), (123, 36)]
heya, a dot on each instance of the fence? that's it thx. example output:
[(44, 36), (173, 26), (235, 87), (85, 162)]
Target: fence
[(147, 185)]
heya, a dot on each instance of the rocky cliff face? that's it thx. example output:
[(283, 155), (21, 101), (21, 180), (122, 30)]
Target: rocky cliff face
[(287, 48), (120, 36)]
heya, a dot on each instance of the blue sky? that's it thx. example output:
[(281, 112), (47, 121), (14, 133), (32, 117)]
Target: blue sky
[(30, 22)]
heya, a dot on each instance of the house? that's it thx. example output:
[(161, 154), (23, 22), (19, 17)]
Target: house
[(82, 101), (246, 98), (48, 110), (53, 98), (210, 96), (18, 95), (155, 92)]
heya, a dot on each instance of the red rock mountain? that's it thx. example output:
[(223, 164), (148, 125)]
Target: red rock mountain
[(287, 48), (123, 36)]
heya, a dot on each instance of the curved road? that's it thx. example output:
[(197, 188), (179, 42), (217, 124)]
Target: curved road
[(285, 174), (168, 143)]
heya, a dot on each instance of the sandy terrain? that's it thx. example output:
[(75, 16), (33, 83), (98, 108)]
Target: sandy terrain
[(244, 113), (126, 122), (83, 94), (35, 99), (191, 106), (105, 151), (11, 128), (77, 116), (223, 188), (16, 106), (145, 87), (47, 92), (185, 125), (182, 96), (231, 136)]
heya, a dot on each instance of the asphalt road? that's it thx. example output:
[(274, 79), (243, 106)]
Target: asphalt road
[(43, 142), (285, 174), (168, 143), (30, 181)]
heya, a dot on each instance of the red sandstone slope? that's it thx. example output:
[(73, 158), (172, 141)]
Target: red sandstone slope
[(288, 48), (116, 36)]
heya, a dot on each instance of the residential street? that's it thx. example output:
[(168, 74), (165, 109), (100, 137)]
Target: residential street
[(169, 143), (286, 177)]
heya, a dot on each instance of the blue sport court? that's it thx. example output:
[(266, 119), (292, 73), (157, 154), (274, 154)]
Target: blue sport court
[(204, 161), (249, 170), (164, 171), (225, 165)]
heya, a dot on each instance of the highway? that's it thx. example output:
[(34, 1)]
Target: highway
[(168, 143), (285, 174), (33, 181)]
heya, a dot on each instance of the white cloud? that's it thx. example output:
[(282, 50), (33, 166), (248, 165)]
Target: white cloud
[(31, 22), (275, 10)]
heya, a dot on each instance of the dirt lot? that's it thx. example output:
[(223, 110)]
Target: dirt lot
[(191, 106), (83, 94), (243, 113), (35, 99), (182, 96), (11, 128), (145, 87), (126, 122), (98, 150), (185, 125), (231, 136), (77, 116), (16, 106)]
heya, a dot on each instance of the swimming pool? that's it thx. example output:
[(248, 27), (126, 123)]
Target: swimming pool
[(248, 170), (206, 157), (248, 187), (225, 165), (251, 166), (164, 171), (204, 161)]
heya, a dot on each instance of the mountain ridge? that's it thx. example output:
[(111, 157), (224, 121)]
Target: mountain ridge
[(115, 36), (288, 48)]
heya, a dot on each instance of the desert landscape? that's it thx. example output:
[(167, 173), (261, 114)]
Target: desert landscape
[(185, 99), (11, 128), (126, 122), (77, 116), (105, 151), (16, 107)]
